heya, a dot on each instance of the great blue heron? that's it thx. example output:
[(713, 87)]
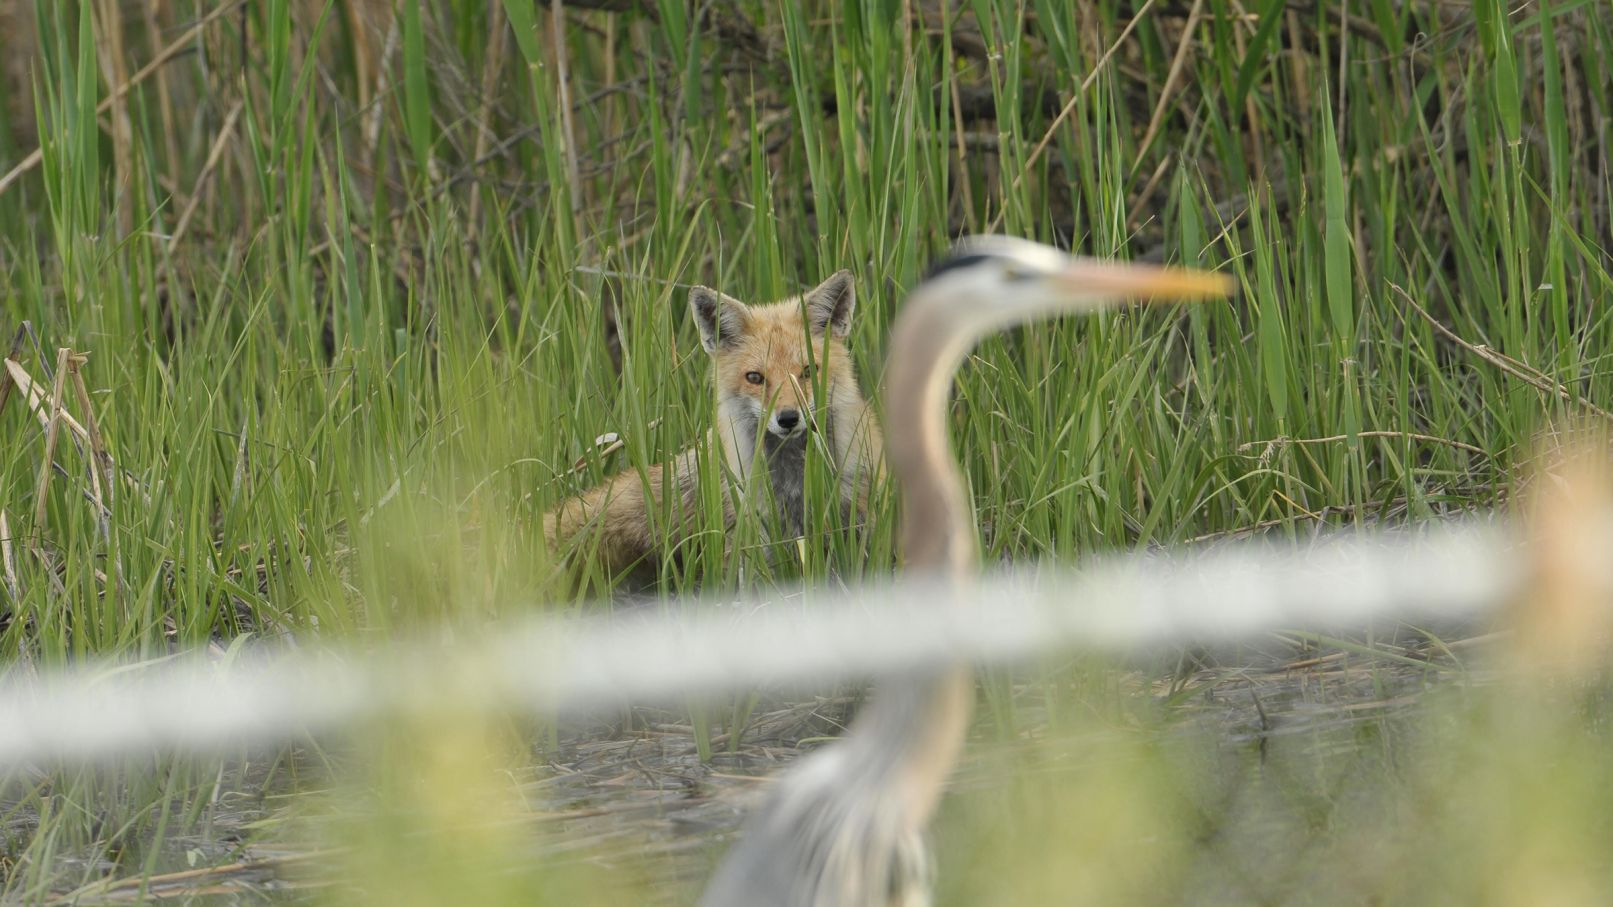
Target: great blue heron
[(845, 826)]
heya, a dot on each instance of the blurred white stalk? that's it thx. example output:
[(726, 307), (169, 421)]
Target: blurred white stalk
[(1119, 603)]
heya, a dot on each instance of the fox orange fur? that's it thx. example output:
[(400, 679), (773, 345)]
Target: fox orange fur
[(782, 374)]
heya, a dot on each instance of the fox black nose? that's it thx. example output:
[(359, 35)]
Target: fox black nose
[(787, 419)]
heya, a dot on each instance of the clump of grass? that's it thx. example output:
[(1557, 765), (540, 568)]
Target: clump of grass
[(340, 273)]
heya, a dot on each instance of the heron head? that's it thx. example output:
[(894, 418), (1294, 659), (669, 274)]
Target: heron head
[(1002, 280)]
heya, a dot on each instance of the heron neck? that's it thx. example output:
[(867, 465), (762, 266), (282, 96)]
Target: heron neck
[(927, 346)]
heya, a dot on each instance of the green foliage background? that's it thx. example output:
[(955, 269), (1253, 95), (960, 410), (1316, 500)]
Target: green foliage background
[(360, 283)]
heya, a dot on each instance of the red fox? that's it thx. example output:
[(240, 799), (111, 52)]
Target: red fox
[(782, 375)]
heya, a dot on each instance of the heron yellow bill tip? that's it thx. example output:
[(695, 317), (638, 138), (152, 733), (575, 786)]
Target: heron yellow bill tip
[(1146, 282)]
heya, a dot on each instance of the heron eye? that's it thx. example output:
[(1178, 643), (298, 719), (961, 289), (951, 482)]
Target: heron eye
[(754, 377), (806, 373)]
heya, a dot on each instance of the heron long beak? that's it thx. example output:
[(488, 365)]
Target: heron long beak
[(1121, 281)]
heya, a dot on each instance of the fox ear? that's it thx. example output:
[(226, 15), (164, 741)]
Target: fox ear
[(830, 304), (722, 319)]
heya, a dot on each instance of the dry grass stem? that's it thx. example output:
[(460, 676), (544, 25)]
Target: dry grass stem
[(174, 48), (1520, 370), (52, 423)]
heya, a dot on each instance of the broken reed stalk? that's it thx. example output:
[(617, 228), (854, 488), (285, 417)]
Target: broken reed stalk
[(6, 381), (101, 469), (491, 67), (179, 45), (99, 489), (52, 423), (35, 398), (91, 445), (1523, 371), (8, 560), (214, 155)]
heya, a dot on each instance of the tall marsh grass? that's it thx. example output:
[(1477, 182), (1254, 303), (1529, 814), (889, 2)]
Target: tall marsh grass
[(360, 283)]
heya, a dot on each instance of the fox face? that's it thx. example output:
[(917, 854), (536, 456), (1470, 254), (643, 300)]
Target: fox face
[(783, 379), (769, 361)]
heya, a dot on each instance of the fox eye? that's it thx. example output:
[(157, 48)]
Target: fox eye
[(806, 373), (754, 377)]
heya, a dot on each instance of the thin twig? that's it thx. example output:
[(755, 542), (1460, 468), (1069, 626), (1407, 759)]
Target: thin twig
[(605, 445), (947, 28), (6, 382), (109, 48), (240, 478), (8, 560), (383, 78), (1403, 435), (166, 880), (214, 155), (963, 157), (165, 98), (102, 473), (1069, 107), (1524, 372), (35, 398), (51, 425), (497, 38), (557, 29), (1172, 79), (174, 49), (626, 275), (97, 450)]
